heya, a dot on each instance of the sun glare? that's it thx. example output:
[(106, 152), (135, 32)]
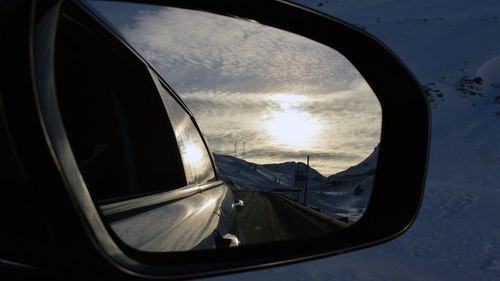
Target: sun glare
[(192, 153), (289, 125)]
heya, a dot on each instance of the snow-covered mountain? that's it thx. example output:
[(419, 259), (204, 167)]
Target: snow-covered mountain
[(343, 195), (287, 170), (453, 48), (247, 176)]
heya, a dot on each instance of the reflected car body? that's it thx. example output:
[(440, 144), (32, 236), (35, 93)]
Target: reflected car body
[(137, 146), (138, 226)]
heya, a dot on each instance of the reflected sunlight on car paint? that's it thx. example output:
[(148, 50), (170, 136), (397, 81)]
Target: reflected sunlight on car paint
[(207, 204), (192, 153)]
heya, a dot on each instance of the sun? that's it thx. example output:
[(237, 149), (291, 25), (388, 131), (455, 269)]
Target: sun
[(293, 127)]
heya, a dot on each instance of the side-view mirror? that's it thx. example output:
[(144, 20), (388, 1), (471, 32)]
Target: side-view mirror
[(238, 205), (194, 138)]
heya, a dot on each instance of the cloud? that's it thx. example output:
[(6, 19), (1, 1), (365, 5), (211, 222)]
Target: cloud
[(235, 76), (197, 50), (350, 126)]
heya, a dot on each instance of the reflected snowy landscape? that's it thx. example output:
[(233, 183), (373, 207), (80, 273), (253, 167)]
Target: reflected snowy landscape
[(344, 195)]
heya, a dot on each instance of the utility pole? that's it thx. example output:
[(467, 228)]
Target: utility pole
[(307, 181), (243, 154), (236, 148)]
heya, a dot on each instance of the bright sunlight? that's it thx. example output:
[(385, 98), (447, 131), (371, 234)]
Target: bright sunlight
[(289, 125)]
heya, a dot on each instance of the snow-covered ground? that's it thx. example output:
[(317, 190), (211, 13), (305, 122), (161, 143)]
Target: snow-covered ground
[(448, 44)]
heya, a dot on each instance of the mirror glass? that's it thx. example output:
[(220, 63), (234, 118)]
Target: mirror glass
[(292, 126)]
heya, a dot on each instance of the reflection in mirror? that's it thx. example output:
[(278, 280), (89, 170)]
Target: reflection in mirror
[(293, 127)]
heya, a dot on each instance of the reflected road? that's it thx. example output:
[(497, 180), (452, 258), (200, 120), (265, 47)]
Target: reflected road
[(268, 217)]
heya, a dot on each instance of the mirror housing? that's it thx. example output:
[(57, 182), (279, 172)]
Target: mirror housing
[(397, 190)]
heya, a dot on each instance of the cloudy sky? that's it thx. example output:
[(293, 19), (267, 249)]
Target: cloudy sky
[(274, 95)]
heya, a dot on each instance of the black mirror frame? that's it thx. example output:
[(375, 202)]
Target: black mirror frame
[(397, 191)]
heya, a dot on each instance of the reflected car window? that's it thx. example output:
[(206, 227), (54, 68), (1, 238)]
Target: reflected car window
[(118, 128), (195, 158)]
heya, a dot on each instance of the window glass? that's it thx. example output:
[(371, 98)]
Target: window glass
[(195, 157)]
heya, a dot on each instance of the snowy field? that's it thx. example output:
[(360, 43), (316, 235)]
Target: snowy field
[(448, 44)]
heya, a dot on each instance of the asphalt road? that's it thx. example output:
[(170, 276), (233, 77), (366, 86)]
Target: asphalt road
[(268, 217)]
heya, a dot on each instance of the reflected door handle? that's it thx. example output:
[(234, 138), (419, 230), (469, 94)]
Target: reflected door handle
[(227, 241), (231, 239)]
